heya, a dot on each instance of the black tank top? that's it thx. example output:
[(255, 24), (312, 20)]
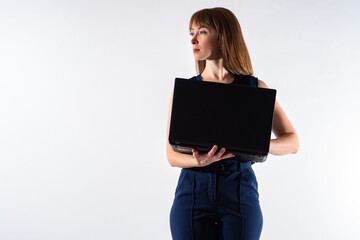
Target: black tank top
[(246, 80)]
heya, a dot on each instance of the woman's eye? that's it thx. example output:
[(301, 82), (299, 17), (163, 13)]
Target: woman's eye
[(191, 34)]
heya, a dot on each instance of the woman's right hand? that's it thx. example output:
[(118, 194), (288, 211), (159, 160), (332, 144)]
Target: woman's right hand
[(205, 159)]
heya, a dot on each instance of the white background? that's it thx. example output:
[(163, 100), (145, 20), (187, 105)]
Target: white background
[(84, 94)]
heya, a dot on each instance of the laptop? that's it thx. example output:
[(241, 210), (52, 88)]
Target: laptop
[(233, 116)]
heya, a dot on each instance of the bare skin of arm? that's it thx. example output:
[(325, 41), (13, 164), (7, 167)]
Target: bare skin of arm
[(286, 140)]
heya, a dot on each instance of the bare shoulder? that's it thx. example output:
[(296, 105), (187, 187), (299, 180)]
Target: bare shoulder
[(281, 124), (262, 84)]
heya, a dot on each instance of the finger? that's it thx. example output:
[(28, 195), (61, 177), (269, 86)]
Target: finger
[(212, 151), (228, 155), (221, 152), (195, 153)]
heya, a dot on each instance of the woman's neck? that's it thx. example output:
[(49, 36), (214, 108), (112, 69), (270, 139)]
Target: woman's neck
[(215, 72)]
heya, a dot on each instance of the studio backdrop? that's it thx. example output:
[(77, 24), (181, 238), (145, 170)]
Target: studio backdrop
[(84, 96)]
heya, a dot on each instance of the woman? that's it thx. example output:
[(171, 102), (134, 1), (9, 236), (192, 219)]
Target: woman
[(217, 195)]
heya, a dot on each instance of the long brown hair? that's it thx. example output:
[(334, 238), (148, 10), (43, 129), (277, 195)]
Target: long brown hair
[(230, 39)]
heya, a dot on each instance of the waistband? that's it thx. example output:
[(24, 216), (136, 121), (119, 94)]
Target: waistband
[(224, 165)]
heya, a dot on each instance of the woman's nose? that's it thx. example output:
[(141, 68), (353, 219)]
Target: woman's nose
[(194, 38)]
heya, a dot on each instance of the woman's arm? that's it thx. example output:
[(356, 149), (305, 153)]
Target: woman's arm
[(286, 140)]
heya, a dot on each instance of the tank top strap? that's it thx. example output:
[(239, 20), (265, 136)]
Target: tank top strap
[(254, 81), (246, 80)]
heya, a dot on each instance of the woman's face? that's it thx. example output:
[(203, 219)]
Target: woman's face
[(204, 39)]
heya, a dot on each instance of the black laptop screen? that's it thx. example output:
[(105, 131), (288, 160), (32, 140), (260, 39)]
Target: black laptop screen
[(229, 115)]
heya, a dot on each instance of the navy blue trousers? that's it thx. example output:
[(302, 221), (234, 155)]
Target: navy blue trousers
[(219, 201)]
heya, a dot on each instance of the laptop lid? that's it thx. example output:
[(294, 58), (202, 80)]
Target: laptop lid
[(233, 116)]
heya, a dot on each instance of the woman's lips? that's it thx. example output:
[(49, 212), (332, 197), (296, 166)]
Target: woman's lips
[(196, 50)]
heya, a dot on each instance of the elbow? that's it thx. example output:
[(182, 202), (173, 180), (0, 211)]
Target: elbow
[(169, 155), (171, 164), (170, 161), (295, 151), (296, 144)]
